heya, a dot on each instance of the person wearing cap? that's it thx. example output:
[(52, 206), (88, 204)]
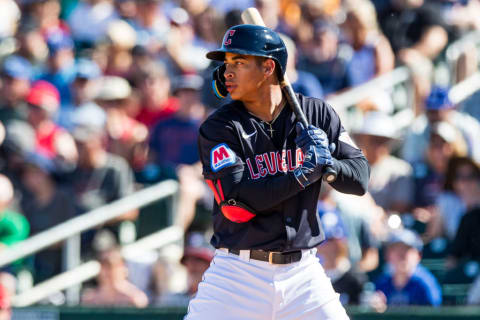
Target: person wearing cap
[(334, 256), (391, 179), (445, 142), (84, 88), (52, 141), (45, 206), (407, 282), (60, 69), (16, 74), (439, 107), (126, 134)]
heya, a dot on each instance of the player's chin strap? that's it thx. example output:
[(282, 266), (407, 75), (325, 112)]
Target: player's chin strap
[(232, 210)]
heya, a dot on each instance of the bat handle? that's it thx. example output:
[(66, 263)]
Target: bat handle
[(330, 174)]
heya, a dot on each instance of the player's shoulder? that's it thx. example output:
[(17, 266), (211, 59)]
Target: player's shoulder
[(222, 118)]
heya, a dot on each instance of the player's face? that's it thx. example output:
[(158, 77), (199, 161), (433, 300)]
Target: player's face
[(243, 76)]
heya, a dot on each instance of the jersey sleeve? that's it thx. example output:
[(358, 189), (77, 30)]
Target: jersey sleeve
[(220, 151), (222, 158), (353, 170)]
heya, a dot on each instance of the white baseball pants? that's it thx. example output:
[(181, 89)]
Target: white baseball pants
[(238, 288)]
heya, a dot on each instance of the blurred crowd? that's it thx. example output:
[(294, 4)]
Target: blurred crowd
[(100, 98)]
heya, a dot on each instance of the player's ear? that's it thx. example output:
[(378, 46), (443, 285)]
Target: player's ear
[(268, 67)]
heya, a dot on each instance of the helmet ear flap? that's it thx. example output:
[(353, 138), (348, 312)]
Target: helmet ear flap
[(218, 82)]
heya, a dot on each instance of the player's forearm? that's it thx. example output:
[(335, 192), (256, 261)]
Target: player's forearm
[(262, 195), (352, 176)]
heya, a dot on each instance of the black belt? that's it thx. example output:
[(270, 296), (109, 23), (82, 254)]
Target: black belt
[(271, 256)]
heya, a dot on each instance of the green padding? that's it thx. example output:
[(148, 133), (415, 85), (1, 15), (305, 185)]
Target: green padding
[(356, 313)]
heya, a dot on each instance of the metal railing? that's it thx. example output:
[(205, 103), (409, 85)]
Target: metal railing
[(90, 269), (70, 231)]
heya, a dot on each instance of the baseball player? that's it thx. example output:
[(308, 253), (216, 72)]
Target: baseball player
[(265, 171)]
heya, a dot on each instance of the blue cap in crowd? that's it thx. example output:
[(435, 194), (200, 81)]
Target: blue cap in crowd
[(87, 69), (58, 41), (40, 161), (438, 99), (17, 67), (332, 224), (407, 237)]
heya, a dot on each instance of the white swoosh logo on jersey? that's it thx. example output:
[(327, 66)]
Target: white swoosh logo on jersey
[(248, 136)]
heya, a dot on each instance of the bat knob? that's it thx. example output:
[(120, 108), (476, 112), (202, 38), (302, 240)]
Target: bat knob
[(330, 175)]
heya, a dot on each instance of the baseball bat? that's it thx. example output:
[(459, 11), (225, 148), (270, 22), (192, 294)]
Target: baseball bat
[(252, 16)]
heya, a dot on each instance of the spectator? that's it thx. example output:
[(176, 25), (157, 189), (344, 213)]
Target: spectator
[(391, 180), (126, 135), (100, 177), (151, 25), (154, 87), (90, 19), (84, 89), (121, 39), (19, 141), (407, 282), (414, 28), (183, 55), (363, 222), (465, 244), (114, 289), (60, 69), (52, 141), (372, 55), (302, 81), (208, 28), (46, 15), (13, 225), (44, 205), (455, 198), (183, 125), (15, 76), (440, 108), (32, 45), (445, 142), (333, 255), (196, 258), (326, 57)]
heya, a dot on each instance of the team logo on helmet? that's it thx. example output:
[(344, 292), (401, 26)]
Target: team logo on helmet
[(230, 34)]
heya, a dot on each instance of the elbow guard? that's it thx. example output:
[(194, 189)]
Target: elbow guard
[(231, 209)]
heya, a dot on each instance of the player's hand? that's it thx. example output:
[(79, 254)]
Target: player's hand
[(310, 136), (315, 159)]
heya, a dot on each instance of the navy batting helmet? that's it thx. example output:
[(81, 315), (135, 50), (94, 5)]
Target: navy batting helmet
[(253, 40)]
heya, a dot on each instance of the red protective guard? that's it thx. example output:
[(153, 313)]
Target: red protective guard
[(236, 214)]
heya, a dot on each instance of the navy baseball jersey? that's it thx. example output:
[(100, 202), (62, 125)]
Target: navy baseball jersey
[(253, 162)]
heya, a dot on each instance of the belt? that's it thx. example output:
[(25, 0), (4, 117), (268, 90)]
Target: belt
[(272, 257)]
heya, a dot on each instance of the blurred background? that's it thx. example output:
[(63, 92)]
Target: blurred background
[(103, 209)]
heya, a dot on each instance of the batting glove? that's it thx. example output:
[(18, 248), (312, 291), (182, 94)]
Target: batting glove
[(310, 136)]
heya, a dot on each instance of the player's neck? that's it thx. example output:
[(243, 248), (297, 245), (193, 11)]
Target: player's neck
[(267, 105)]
